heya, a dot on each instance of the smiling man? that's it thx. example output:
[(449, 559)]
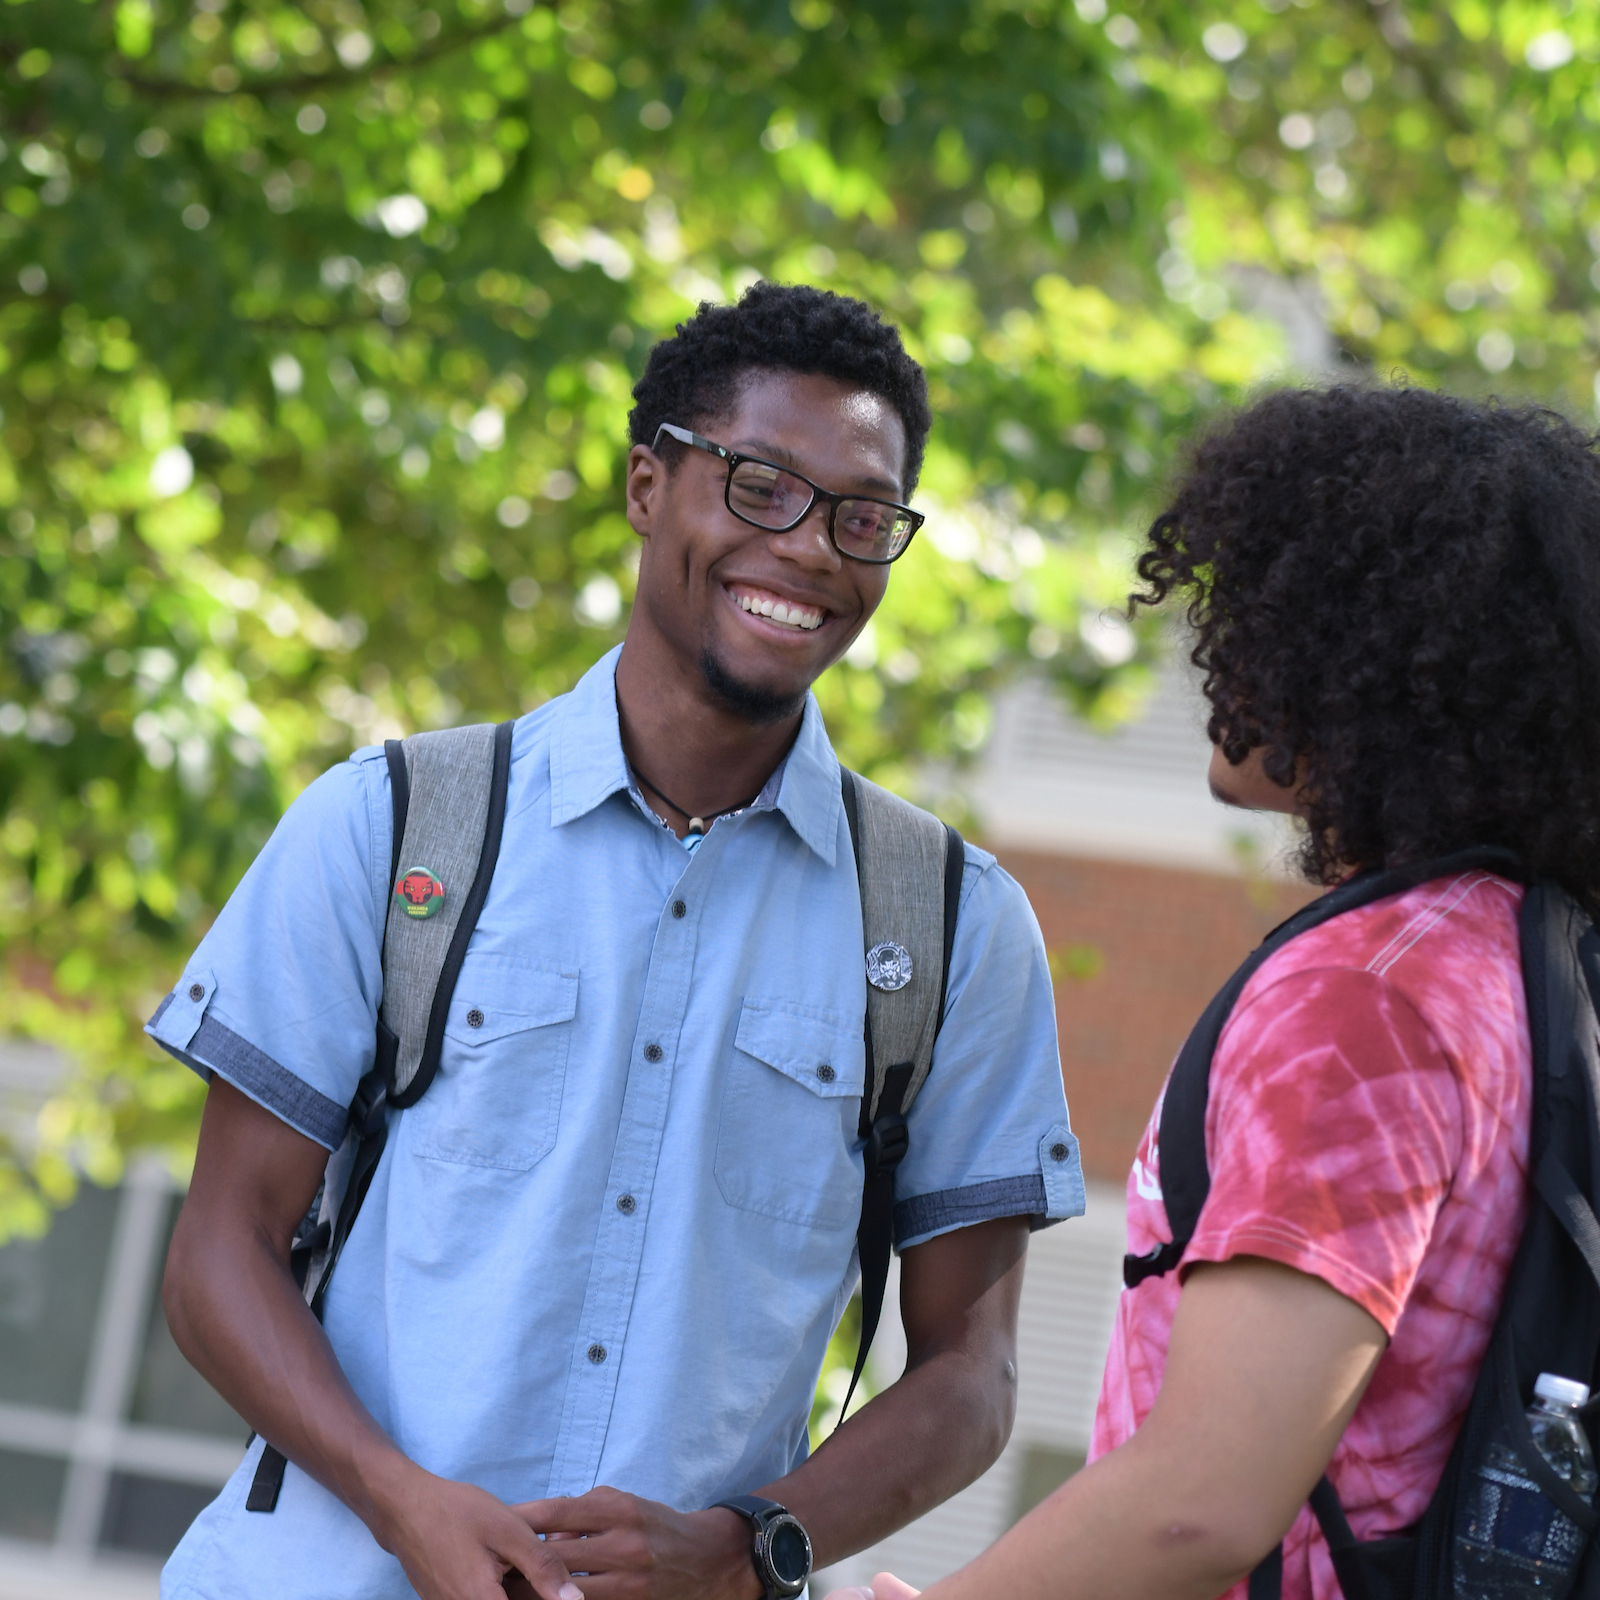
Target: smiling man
[(592, 1285)]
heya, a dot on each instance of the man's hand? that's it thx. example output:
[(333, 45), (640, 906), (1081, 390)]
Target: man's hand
[(634, 1549), (457, 1542)]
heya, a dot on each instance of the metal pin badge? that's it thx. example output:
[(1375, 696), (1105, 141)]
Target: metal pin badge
[(419, 891), (888, 965)]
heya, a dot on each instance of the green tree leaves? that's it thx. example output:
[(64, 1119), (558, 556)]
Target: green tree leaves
[(318, 324)]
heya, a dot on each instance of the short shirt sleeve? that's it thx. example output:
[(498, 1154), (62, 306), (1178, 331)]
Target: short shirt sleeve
[(281, 997), (989, 1130), (1334, 1127)]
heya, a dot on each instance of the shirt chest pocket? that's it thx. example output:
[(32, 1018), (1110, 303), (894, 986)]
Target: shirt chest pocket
[(786, 1144), (497, 1099)]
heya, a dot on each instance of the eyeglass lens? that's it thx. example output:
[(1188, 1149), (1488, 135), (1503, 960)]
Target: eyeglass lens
[(871, 529)]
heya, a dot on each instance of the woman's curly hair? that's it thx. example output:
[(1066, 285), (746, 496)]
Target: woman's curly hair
[(1395, 595)]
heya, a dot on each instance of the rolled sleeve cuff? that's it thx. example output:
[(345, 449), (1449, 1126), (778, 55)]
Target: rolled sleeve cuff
[(183, 1027), (924, 1215)]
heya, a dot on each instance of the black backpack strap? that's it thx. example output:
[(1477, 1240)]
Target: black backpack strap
[(1184, 1166), (369, 1111), (955, 865), (394, 753), (886, 1134), (1343, 1547), (1266, 1582)]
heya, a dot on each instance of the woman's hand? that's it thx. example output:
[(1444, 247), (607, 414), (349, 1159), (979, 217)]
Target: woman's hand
[(883, 1587)]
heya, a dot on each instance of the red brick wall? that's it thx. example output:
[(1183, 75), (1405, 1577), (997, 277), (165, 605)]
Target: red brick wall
[(1139, 950)]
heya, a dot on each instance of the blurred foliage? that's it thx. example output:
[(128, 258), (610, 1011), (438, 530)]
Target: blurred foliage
[(318, 322), (838, 1363)]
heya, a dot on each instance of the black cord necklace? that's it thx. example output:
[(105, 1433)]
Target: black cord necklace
[(696, 824)]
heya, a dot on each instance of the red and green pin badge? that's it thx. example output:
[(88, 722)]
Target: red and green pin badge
[(419, 891)]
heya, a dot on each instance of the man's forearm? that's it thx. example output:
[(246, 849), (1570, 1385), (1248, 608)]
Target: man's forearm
[(238, 1316), (911, 1447), (947, 1418)]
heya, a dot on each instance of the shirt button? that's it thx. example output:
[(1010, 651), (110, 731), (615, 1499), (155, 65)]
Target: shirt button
[(197, 991), (653, 1051), (597, 1353), (474, 1018), (826, 1073), (626, 1204), (1059, 1152), (679, 909)]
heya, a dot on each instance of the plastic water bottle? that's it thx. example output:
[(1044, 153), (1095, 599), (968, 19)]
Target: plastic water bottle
[(1512, 1542)]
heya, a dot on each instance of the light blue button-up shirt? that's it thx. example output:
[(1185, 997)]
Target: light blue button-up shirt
[(610, 1243)]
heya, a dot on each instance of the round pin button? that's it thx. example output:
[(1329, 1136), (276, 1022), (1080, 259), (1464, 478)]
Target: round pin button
[(888, 966), (197, 991), (826, 1073), (626, 1204), (597, 1353), (653, 1051), (679, 909), (420, 891), (474, 1018), (1059, 1152)]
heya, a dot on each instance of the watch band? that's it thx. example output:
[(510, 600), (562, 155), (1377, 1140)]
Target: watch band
[(771, 1522), (751, 1506)]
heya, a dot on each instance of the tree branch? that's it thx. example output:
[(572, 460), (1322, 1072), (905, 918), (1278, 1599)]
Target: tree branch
[(308, 82)]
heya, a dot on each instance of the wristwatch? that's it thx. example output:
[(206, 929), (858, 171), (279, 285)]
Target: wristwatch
[(782, 1551)]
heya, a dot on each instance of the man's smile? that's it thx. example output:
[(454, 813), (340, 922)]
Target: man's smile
[(775, 608)]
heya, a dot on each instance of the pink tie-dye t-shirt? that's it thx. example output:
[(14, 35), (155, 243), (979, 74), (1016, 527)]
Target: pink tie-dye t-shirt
[(1368, 1124)]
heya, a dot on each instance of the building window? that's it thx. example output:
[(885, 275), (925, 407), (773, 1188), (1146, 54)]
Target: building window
[(109, 1441)]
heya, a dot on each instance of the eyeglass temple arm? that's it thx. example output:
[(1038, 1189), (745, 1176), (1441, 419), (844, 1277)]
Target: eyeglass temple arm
[(683, 436)]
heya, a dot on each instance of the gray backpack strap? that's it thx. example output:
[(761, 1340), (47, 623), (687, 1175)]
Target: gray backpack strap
[(901, 864), (449, 796), (909, 866), (450, 841)]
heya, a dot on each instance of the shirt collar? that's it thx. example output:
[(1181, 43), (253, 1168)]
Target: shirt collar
[(809, 797), (587, 765), (586, 761)]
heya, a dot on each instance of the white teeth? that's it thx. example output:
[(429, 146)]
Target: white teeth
[(779, 611)]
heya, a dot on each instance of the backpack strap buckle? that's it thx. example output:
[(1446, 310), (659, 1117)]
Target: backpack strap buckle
[(371, 1102), (887, 1144), (1153, 1264)]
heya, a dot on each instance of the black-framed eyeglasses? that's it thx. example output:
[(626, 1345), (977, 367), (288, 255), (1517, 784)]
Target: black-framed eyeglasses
[(769, 496)]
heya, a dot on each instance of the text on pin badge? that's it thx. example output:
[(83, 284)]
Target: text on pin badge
[(419, 891), (888, 965)]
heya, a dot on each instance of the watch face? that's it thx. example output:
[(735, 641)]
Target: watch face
[(789, 1551)]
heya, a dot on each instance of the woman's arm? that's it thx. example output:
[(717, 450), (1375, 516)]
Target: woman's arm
[(1265, 1368)]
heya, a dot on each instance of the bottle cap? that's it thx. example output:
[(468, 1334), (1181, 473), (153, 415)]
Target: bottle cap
[(1568, 1391)]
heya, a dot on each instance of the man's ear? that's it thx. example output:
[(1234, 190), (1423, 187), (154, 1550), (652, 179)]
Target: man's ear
[(647, 483)]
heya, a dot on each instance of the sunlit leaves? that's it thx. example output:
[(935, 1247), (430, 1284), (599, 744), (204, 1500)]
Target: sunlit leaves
[(318, 322)]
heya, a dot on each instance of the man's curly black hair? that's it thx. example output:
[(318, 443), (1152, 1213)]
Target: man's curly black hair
[(1395, 595), (693, 378)]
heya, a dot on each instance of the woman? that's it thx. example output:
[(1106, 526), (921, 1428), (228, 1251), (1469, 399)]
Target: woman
[(1395, 599)]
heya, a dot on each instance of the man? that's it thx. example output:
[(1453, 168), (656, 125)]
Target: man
[(1396, 602), (610, 1244)]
